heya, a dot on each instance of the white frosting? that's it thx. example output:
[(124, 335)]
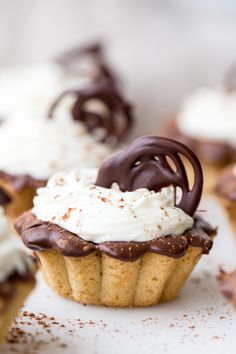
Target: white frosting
[(12, 258), (98, 214), (209, 114), (41, 147), (31, 90)]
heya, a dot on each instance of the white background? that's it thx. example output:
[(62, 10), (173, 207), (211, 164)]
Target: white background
[(163, 48)]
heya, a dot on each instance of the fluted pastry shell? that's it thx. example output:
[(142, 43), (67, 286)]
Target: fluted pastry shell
[(102, 280)]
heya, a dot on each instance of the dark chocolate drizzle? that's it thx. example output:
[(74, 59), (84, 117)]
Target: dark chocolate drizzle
[(226, 185), (39, 236), (72, 58), (113, 101), (144, 164), (213, 152), (18, 182)]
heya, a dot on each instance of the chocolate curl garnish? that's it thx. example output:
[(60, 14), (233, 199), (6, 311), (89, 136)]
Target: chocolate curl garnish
[(95, 53), (115, 105), (4, 197), (154, 163)]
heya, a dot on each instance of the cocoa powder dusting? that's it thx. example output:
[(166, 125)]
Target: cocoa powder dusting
[(23, 341)]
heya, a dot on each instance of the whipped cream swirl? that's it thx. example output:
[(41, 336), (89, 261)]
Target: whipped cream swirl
[(42, 147), (12, 257), (98, 214), (209, 115)]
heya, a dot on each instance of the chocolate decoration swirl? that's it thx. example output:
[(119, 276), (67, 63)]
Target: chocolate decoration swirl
[(144, 164), (39, 236), (4, 197), (93, 52), (226, 185), (109, 96)]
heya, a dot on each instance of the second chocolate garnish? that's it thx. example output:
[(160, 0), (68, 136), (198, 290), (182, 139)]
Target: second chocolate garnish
[(154, 163), (115, 118), (76, 59)]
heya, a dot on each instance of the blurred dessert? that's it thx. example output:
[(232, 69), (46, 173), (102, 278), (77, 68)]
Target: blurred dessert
[(225, 190), (32, 89), (206, 122), (81, 127), (33, 150), (228, 285), (123, 235), (16, 276)]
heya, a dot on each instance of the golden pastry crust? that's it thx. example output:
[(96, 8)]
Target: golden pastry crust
[(102, 280)]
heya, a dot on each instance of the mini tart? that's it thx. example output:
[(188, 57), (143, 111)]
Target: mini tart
[(115, 273), (228, 285), (213, 156), (20, 191), (143, 239), (225, 190), (13, 292)]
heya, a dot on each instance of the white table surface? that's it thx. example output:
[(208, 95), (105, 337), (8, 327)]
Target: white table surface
[(199, 321)]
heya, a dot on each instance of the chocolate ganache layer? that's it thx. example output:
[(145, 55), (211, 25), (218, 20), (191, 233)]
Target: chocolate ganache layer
[(39, 236), (210, 151)]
